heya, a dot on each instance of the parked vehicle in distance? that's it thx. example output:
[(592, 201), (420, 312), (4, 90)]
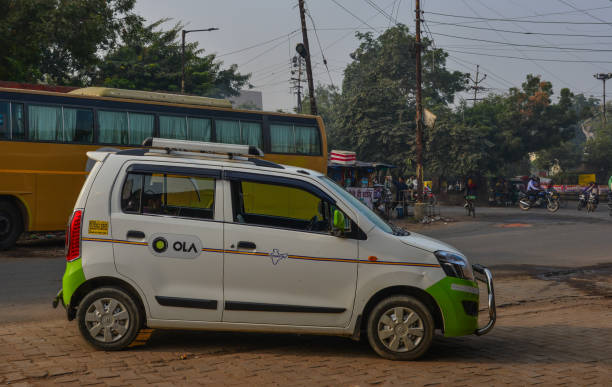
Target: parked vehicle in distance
[(170, 237), (44, 138)]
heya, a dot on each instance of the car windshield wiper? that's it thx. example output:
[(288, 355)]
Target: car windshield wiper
[(399, 231)]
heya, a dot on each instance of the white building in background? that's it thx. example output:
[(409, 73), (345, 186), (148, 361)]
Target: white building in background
[(248, 99)]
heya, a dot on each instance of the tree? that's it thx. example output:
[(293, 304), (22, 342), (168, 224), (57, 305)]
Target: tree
[(598, 153), (327, 98), (375, 114), (149, 58), (58, 40)]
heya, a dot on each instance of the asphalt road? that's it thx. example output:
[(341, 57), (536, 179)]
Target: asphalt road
[(497, 237)]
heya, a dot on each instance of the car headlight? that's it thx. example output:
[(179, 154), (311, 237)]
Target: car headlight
[(454, 265)]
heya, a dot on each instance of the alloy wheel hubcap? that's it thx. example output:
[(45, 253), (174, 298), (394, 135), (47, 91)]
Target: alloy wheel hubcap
[(107, 320), (400, 329)]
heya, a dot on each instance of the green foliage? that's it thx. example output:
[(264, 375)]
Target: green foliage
[(375, 114), (149, 58), (598, 153), (327, 99), (58, 40)]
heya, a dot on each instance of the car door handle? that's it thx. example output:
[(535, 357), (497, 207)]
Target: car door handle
[(246, 245), (135, 234)]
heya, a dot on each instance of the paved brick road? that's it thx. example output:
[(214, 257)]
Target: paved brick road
[(564, 342)]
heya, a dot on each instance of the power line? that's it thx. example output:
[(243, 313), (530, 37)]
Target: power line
[(514, 19), (525, 45), (519, 32), (381, 11), (583, 11), (352, 14), (544, 69), (530, 59), (319, 43), (259, 44), (262, 53)]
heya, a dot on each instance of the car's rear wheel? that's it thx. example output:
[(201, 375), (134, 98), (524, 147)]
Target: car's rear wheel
[(11, 224), (109, 318), (400, 328)]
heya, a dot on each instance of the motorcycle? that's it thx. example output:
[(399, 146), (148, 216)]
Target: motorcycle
[(587, 200), (581, 201), (548, 199), (591, 203)]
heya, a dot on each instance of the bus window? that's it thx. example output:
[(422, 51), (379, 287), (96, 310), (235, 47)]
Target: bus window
[(141, 127), (251, 133), (5, 122), (307, 140), (281, 139), (124, 128), (228, 132), (287, 138), (17, 121), (239, 132), (173, 127), (45, 123), (199, 129), (78, 125)]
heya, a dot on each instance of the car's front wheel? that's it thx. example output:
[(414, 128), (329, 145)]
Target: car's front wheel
[(400, 328), (109, 318)]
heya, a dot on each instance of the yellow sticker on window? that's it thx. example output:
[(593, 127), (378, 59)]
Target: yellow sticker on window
[(98, 227)]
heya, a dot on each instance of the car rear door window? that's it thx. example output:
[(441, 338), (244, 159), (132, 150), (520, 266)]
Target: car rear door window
[(169, 194)]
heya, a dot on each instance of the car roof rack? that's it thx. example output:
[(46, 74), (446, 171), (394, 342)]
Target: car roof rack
[(200, 148)]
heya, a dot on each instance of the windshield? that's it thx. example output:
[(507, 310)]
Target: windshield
[(362, 208)]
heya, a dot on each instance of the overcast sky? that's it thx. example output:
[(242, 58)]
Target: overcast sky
[(247, 23)]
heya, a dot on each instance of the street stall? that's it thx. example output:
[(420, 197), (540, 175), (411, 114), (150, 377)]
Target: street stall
[(364, 180)]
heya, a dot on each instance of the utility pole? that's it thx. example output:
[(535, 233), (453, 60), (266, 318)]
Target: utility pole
[(477, 81), (603, 77), (419, 106), (183, 33), (313, 103), (298, 67)]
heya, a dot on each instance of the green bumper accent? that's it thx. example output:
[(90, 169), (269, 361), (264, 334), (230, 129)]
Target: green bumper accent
[(73, 278), (456, 321)]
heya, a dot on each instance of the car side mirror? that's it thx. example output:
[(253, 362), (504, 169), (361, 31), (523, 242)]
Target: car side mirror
[(338, 223)]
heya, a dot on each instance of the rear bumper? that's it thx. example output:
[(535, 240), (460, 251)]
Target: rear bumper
[(483, 274)]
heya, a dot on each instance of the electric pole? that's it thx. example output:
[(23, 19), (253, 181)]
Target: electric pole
[(477, 81), (419, 106), (313, 104), (603, 77), (298, 68), (183, 33)]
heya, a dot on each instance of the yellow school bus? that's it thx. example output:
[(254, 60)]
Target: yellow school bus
[(44, 137)]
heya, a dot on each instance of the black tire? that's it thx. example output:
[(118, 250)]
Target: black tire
[(425, 323), (11, 224), (523, 206), (552, 206), (125, 303)]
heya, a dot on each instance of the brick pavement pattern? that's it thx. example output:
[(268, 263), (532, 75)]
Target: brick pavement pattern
[(567, 342)]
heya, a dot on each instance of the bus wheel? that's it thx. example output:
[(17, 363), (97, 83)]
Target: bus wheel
[(400, 328), (11, 224)]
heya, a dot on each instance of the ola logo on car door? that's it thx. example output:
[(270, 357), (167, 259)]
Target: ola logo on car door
[(160, 244), (175, 246)]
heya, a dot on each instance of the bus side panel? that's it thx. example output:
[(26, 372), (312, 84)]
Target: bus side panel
[(46, 177), (57, 194)]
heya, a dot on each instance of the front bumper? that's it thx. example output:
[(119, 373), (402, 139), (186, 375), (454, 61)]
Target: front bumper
[(483, 274)]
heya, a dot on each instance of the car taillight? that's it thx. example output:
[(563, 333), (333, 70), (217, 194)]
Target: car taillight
[(73, 236)]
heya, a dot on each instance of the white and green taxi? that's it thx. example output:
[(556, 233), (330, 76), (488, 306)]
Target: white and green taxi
[(192, 235)]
